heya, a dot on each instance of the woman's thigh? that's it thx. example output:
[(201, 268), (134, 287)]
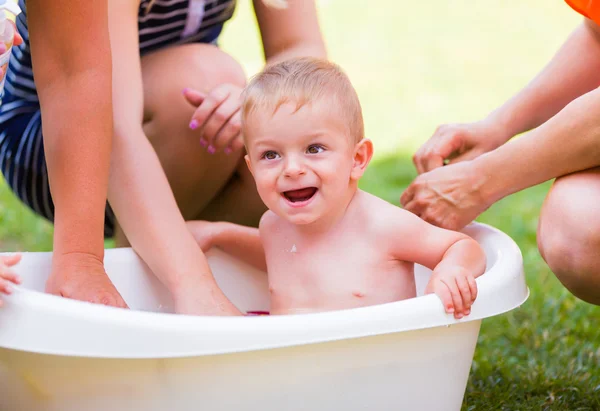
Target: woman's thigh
[(196, 177), (569, 233)]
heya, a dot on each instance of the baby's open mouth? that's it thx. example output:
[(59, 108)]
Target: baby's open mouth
[(303, 194)]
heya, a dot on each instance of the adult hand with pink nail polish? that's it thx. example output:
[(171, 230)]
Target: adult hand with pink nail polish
[(217, 117)]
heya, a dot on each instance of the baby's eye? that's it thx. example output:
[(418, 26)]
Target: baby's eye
[(314, 149), (270, 155)]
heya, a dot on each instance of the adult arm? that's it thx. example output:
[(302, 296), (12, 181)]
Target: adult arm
[(72, 67), (454, 195), (572, 72), (289, 32), (139, 191)]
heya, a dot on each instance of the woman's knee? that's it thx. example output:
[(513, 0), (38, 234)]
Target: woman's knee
[(569, 233), (199, 66), (195, 175)]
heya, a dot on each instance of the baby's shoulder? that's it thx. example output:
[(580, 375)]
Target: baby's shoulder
[(268, 222), (381, 214)]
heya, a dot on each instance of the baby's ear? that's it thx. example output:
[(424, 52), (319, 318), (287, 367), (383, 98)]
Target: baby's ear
[(363, 152), (249, 164)]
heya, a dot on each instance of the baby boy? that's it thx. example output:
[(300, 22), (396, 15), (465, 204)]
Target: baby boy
[(326, 244)]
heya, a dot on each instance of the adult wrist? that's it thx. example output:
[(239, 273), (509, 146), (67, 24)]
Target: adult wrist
[(82, 261), (76, 240), (192, 270), (494, 186), (500, 127)]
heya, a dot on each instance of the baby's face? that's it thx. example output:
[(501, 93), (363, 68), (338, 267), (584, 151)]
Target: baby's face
[(301, 161)]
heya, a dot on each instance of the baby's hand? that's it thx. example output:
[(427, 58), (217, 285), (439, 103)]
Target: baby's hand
[(7, 276), (205, 233), (457, 289)]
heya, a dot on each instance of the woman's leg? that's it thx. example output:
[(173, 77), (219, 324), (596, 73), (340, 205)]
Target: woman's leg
[(195, 176), (569, 233)]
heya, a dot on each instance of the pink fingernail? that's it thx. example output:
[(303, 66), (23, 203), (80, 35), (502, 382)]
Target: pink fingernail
[(227, 150), (193, 124), (211, 150), (203, 142)]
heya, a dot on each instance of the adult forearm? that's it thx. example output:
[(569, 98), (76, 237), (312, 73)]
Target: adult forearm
[(77, 122), (145, 206), (567, 143), (315, 49), (572, 72)]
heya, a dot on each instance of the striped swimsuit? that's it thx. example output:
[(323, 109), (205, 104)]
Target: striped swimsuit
[(22, 161)]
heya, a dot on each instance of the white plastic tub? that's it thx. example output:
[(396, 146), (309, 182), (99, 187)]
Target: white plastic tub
[(64, 355)]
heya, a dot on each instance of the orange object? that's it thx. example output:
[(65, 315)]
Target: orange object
[(587, 8)]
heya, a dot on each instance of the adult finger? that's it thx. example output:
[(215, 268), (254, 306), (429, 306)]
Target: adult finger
[(416, 206), (431, 161), (229, 133), (408, 194), (445, 141), (416, 159), (194, 97), (222, 120), (213, 100), (442, 148)]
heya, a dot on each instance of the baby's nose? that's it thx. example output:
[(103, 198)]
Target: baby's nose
[(294, 168)]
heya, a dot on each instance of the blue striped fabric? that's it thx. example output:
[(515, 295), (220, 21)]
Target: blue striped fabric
[(161, 23)]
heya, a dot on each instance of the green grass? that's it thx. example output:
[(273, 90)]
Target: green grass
[(416, 65)]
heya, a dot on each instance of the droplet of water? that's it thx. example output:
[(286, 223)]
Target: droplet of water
[(293, 250)]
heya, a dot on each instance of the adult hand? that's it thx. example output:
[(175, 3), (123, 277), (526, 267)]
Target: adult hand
[(81, 276), (448, 197), (217, 117), (458, 142), (192, 304)]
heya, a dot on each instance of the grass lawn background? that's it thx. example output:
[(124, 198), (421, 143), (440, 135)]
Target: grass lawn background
[(417, 65)]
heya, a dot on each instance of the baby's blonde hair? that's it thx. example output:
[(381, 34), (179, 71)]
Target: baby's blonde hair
[(304, 80)]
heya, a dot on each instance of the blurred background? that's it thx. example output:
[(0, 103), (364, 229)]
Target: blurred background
[(417, 65)]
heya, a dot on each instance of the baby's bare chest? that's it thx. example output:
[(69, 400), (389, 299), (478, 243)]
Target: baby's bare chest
[(337, 262)]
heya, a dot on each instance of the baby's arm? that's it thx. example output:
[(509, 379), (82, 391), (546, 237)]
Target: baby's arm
[(236, 240), (455, 258), (7, 276)]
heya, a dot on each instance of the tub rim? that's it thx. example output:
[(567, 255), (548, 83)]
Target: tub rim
[(141, 334)]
